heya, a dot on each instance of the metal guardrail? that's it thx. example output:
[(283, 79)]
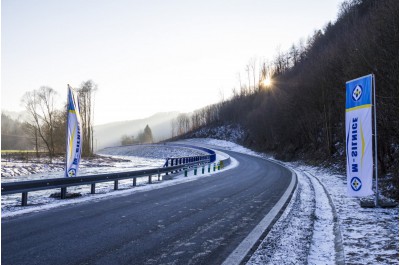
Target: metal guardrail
[(176, 164), (179, 160)]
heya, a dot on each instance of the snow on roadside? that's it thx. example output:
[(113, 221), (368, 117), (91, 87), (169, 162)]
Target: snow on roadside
[(370, 235), (323, 239), (289, 240)]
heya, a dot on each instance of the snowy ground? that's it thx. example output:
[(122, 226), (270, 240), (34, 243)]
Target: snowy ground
[(318, 215), (306, 232), (122, 159)]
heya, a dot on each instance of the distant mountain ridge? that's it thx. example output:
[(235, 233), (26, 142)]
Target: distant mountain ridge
[(110, 134)]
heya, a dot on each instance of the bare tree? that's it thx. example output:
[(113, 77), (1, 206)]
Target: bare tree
[(247, 69), (252, 64), (183, 123), (86, 103), (32, 131), (40, 105), (173, 128)]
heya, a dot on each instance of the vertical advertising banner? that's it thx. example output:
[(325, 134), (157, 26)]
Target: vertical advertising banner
[(359, 136), (74, 139)]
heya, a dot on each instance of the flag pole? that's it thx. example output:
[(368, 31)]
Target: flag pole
[(376, 146), (66, 135)]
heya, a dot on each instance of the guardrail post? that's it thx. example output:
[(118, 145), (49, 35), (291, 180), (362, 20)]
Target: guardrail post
[(24, 201), (115, 184), (64, 193), (150, 179), (93, 188), (202, 170), (134, 182)]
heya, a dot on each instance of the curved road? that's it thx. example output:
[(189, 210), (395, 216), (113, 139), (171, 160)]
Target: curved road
[(198, 222)]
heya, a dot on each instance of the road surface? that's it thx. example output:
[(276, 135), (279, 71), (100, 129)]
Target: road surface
[(198, 222)]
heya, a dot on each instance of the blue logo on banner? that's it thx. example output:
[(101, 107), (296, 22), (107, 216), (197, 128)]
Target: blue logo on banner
[(357, 92), (355, 184), (72, 172)]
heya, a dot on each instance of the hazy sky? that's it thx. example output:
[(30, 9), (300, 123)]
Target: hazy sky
[(145, 56)]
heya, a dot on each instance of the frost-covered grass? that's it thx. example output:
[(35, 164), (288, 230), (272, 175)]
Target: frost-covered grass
[(304, 234)]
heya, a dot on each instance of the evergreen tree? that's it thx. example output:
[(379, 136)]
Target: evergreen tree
[(148, 135)]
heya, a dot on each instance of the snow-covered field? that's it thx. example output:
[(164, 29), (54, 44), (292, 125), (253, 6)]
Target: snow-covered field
[(112, 159), (117, 159), (307, 232)]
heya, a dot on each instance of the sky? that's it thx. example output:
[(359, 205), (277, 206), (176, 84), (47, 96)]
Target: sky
[(146, 56)]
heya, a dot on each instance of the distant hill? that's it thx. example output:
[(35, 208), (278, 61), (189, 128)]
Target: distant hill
[(110, 134)]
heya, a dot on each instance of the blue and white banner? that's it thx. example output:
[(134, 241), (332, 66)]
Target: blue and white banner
[(359, 136), (74, 139)]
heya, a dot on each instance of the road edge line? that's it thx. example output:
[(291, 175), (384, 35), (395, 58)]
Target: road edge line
[(251, 242)]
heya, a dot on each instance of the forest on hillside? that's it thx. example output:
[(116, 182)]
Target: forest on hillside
[(301, 114)]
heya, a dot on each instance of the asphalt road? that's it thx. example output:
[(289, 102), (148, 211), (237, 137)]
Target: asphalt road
[(199, 222)]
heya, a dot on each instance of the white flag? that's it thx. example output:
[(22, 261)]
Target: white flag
[(74, 139), (359, 136)]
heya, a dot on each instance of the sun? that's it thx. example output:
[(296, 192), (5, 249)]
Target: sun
[(267, 81)]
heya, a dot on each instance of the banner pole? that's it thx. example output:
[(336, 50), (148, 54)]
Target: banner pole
[(66, 136), (376, 147)]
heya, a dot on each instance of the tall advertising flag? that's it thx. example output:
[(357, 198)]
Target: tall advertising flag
[(74, 139), (359, 136)]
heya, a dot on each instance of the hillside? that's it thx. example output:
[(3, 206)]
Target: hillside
[(110, 134), (301, 115)]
